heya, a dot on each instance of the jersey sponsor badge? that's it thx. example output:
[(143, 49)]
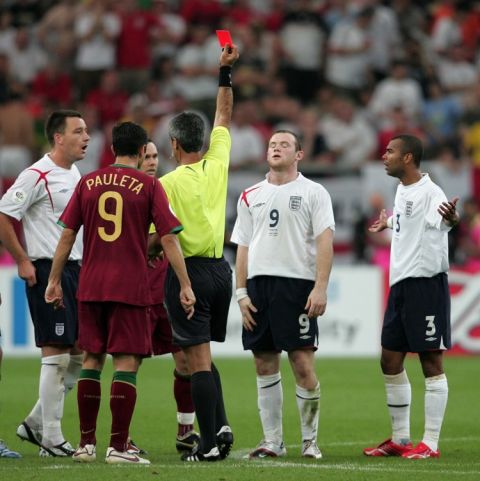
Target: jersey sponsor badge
[(295, 202), (19, 196), (408, 208), (59, 328)]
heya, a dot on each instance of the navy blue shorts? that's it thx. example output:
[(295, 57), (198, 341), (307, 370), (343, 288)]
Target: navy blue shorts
[(212, 285), (54, 327), (282, 322), (417, 318)]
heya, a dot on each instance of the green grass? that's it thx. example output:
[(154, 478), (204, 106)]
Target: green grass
[(353, 415)]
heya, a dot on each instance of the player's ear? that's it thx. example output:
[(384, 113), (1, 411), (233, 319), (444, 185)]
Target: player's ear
[(299, 155), (408, 158)]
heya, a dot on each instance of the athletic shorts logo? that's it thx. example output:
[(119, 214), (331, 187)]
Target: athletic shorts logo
[(409, 208), (295, 202), (59, 328)]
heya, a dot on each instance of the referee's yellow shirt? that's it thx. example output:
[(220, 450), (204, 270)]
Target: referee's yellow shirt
[(198, 194)]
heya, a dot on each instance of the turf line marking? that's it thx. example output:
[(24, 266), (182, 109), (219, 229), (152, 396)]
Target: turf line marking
[(268, 463)]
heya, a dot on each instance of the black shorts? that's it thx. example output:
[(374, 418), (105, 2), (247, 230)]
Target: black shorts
[(282, 322), (417, 318), (212, 285), (54, 326)]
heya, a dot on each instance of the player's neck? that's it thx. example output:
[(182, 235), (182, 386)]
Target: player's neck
[(127, 161), (185, 158), (411, 177), (281, 177), (60, 160)]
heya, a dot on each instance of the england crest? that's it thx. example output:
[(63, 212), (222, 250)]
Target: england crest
[(295, 202), (59, 328), (408, 208)]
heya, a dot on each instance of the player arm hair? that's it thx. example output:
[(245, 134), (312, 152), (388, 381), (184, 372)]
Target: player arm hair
[(223, 113), (171, 248), (10, 240), (324, 259), (241, 266), (62, 253)]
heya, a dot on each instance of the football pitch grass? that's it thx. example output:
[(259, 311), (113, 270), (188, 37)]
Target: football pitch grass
[(353, 416)]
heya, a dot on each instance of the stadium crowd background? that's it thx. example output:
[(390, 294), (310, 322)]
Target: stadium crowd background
[(346, 75)]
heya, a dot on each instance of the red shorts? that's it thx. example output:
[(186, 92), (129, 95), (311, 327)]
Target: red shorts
[(162, 340), (114, 328)]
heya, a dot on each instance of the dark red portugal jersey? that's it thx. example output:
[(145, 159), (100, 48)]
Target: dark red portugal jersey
[(116, 206)]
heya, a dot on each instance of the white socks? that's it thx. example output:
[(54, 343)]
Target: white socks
[(34, 419), (436, 395), (399, 398), (270, 404), (51, 393), (308, 403), (73, 371)]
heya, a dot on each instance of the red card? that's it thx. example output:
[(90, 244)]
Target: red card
[(224, 37)]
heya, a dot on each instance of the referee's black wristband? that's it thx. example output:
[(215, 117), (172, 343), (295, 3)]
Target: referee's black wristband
[(225, 76)]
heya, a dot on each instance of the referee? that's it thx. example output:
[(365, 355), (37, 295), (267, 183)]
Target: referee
[(197, 191)]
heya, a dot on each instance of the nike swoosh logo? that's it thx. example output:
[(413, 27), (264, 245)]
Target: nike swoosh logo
[(128, 458)]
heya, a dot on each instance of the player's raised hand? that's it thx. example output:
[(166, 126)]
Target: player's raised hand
[(54, 295), (448, 210), (381, 223)]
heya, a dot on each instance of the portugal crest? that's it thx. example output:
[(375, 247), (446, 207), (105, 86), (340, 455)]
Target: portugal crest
[(295, 202)]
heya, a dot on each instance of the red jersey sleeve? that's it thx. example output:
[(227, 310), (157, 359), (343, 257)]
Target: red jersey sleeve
[(72, 215)]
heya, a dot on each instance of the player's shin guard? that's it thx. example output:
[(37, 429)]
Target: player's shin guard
[(270, 404), (88, 398), (73, 371), (436, 396), (308, 403), (123, 396), (182, 391), (204, 394), (51, 394), (399, 398)]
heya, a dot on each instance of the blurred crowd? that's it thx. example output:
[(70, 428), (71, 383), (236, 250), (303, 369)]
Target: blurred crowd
[(346, 75)]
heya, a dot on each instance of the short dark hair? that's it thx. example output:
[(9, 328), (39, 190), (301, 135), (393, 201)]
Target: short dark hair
[(56, 123), (298, 144), (128, 138), (188, 129), (411, 145)]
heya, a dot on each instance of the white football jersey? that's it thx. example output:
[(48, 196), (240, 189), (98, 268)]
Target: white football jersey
[(420, 237), (38, 198), (279, 224)]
